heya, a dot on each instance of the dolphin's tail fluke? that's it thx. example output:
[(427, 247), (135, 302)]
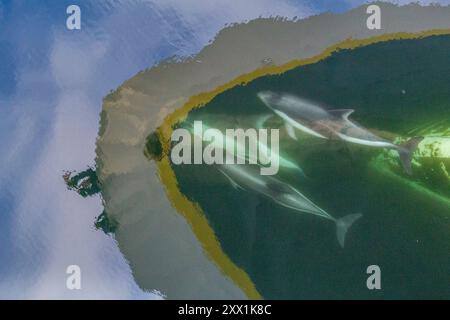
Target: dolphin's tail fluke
[(406, 152), (343, 224)]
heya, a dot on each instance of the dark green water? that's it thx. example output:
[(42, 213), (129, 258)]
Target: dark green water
[(398, 87)]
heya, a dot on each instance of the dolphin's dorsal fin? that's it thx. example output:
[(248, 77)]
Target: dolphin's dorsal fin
[(341, 113)]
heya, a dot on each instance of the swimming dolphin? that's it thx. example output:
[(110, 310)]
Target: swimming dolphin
[(331, 124), (284, 162), (248, 177)]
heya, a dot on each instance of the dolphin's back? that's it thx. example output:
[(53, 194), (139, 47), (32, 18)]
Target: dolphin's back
[(293, 106), (300, 108)]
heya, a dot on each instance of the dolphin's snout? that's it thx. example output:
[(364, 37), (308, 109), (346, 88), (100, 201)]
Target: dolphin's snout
[(267, 97), (263, 95)]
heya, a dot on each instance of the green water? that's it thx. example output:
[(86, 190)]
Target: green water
[(398, 89)]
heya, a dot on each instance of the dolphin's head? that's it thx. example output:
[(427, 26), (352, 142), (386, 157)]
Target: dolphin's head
[(269, 98), (281, 102)]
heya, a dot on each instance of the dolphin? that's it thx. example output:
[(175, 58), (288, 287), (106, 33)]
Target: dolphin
[(248, 177), (331, 124), (284, 162)]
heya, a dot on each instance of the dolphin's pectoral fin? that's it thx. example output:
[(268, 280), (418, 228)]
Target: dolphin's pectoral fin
[(235, 185), (341, 113), (262, 121), (347, 150), (290, 131), (232, 182)]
